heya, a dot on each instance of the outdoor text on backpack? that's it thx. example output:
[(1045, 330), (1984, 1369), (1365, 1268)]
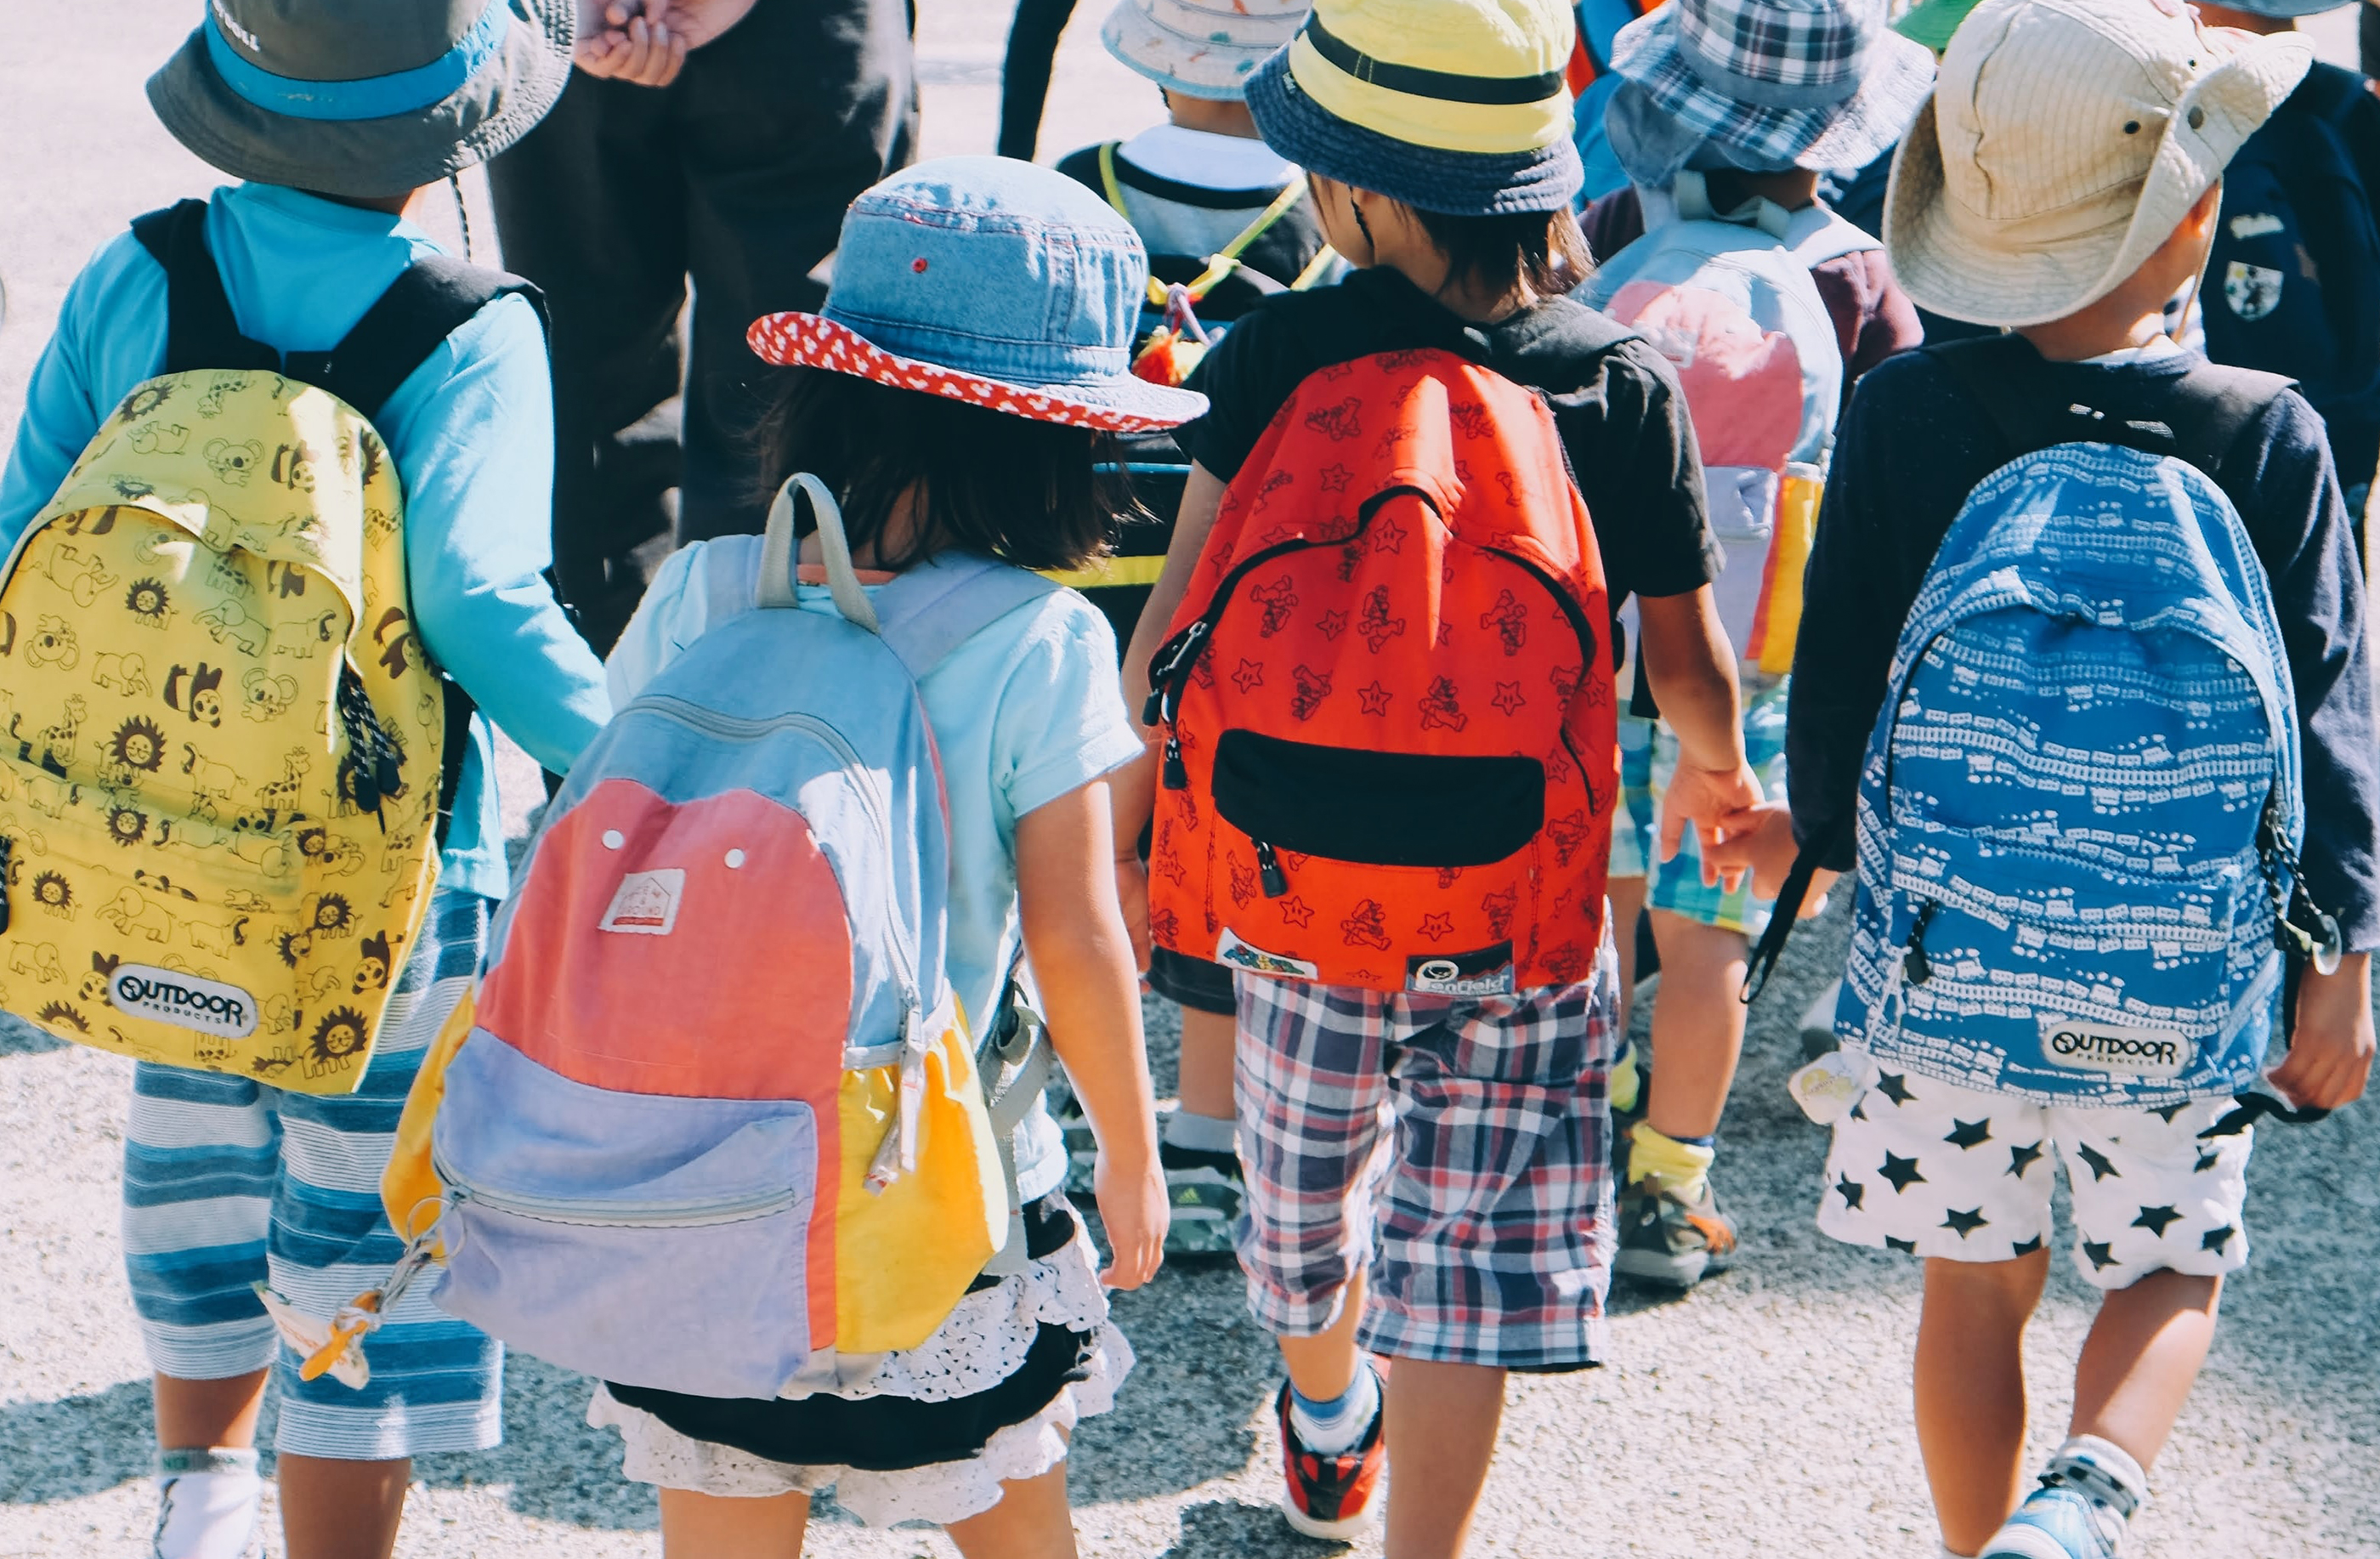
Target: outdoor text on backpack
[(1389, 756)]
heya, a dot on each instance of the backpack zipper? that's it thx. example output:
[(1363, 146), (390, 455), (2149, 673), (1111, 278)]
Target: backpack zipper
[(612, 1215), (1276, 880)]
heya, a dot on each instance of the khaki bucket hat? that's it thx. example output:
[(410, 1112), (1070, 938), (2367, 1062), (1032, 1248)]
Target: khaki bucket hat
[(2064, 142)]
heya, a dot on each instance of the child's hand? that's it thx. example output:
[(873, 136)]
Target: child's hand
[(1767, 847), (2330, 1050), (1132, 894), (701, 22), (1719, 803), (1137, 1209)]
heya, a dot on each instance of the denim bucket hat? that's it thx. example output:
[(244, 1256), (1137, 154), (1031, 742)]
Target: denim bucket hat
[(363, 98), (988, 280), (1456, 107), (1766, 84)]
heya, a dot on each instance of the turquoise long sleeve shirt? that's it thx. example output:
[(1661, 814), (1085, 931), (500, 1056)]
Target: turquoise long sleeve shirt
[(471, 431)]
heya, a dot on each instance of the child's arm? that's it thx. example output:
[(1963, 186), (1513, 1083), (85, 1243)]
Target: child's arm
[(1692, 669), (2330, 1048), (478, 475), (1082, 962)]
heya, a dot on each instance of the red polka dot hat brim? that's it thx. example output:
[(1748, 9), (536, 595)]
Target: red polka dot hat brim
[(1120, 404)]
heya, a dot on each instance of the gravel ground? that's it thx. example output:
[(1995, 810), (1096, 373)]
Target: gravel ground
[(1765, 1413)]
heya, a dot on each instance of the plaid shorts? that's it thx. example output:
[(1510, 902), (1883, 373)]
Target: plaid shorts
[(1454, 1149), (1649, 756)]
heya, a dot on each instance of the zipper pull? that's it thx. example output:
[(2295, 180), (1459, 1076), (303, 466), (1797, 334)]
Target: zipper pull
[(1268, 872), (4, 883), (1177, 775), (1915, 963)]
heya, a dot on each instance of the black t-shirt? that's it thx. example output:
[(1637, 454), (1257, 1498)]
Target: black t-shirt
[(1915, 443), (1616, 403)]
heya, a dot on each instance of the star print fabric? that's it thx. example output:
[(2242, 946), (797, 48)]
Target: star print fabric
[(1456, 1149), (1933, 1169)]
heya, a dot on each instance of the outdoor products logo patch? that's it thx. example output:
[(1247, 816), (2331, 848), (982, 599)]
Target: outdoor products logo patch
[(183, 999), (1487, 972), (2129, 1052), (1234, 953), (646, 904)]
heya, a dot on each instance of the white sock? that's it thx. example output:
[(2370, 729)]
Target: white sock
[(1201, 1133), (206, 1502), (1330, 1429), (2104, 1470)]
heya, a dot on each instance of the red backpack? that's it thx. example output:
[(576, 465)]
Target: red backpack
[(1390, 752)]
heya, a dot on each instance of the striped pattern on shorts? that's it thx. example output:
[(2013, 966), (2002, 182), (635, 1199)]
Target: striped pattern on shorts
[(228, 1182), (1457, 1149)]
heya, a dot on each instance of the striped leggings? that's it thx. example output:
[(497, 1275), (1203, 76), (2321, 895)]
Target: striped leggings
[(228, 1182)]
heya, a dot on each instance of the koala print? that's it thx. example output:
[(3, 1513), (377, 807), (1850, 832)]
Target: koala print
[(160, 438), (265, 696), (234, 463), (53, 644)]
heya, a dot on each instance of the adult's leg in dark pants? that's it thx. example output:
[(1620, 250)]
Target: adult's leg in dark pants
[(1025, 73), (592, 207), (782, 121)]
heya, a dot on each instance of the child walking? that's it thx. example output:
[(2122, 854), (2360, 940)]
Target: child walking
[(1476, 1238), (1724, 206), (953, 396), (230, 1182), (1226, 219), (2043, 973)]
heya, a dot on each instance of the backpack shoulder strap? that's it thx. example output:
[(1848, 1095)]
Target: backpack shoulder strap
[(430, 301), (930, 610), (199, 329), (2003, 373)]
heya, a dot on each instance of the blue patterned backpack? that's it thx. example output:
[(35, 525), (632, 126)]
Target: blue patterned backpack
[(2078, 816)]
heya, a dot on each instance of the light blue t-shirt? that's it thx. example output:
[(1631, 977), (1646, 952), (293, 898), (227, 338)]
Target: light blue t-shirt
[(1025, 711), (472, 432)]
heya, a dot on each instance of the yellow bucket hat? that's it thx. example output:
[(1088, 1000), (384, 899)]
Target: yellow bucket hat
[(1457, 106)]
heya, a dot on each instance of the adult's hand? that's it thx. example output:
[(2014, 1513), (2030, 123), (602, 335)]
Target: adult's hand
[(618, 41)]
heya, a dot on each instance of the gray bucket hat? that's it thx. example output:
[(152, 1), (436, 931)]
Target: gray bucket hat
[(363, 98)]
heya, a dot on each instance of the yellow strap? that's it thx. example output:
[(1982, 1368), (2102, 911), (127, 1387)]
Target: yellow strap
[(1108, 177), (1314, 269), (1108, 572)]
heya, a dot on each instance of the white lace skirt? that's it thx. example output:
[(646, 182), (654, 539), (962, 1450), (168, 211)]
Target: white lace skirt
[(984, 1342)]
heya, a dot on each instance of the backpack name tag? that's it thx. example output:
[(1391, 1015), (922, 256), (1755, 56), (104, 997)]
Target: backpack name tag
[(1487, 972), (645, 903), (2131, 1053), (183, 999), (1232, 953)]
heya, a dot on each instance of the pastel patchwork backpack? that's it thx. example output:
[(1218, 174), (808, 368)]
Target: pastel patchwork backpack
[(1389, 749), (712, 1122), (227, 758), (1729, 300), (2077, 820)]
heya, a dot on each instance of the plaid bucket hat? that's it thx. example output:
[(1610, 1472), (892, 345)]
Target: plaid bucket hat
[(1766, 84), (1458, 106), (363, 98)]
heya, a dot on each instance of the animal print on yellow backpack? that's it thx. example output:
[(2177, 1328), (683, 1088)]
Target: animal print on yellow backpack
[(221, 742)]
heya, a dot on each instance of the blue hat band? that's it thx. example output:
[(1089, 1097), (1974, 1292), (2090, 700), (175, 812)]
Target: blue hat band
[(372, 97)]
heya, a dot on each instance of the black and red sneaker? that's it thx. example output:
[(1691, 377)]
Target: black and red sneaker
[(1336, 1496)]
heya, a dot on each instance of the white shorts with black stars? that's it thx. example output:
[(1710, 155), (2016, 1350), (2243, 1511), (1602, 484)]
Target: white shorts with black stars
[(1937, 1170)]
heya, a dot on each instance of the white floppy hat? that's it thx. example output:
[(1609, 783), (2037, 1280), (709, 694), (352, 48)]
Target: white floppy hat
[(2064, 142), (1200, 48)]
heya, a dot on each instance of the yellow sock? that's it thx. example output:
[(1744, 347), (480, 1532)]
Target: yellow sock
[(1671, 1164), (1627, 1082)]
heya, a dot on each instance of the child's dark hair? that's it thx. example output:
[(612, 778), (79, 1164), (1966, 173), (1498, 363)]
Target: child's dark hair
[(1543, 248), (1020, 490)]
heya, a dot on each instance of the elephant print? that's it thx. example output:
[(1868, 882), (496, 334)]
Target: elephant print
[(129, 912)]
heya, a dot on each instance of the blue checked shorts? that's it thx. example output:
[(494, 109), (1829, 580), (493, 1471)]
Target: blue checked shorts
[(228, 1182), (1456, 1150), (1649, 756)]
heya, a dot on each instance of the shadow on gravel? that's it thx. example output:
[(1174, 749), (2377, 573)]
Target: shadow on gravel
[(1234, 1531), (20, 1037), (560, 1468), (76, 1445)]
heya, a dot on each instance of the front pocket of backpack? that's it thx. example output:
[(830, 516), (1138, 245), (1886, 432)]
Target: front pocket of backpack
[(654, 1240), (1378, 808)]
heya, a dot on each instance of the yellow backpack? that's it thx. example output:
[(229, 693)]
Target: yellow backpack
[(224, 751)]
